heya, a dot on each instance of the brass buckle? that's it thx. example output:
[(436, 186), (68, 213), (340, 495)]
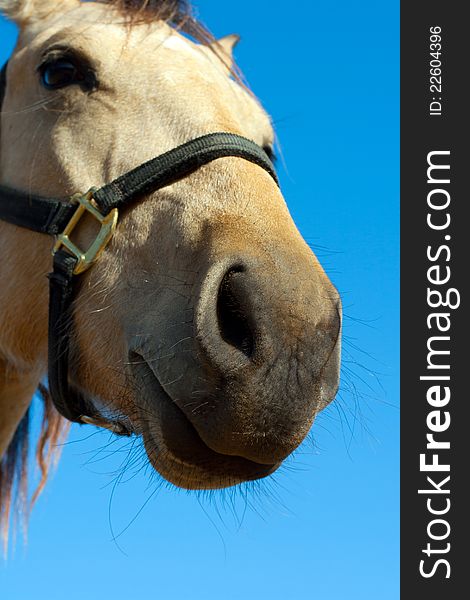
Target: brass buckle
[(108, 225)]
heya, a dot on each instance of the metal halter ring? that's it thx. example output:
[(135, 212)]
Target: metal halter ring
[(108, 223)]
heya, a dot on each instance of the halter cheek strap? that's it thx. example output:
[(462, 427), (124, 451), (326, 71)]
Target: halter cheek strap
[(58, 217)]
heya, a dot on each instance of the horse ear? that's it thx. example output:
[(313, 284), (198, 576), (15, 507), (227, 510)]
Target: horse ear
[(224, 48), (23, 12), (228, 43)]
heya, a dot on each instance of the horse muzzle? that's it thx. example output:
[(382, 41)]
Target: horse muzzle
[(232, 389)]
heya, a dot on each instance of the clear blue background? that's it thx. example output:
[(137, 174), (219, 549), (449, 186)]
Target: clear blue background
[(326, 527)]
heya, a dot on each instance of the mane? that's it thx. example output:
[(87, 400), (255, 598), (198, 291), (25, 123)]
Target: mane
[(15, 501), (15, 504), (178, 13)]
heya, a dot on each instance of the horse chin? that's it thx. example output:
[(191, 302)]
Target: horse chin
[(176, 450)]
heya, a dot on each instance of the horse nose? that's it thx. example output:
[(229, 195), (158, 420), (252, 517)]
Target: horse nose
[(270, 339), (247, 313), (231, 324), (254, 310), (235, 318)]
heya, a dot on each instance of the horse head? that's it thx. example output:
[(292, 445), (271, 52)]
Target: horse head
[(207, 326)]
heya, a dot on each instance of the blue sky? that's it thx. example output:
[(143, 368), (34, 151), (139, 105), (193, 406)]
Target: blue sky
[(327, 526)]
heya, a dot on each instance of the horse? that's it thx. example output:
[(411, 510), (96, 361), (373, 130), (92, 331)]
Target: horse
[(207, 326)]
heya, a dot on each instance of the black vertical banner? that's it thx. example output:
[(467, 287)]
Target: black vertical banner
[(435, 330)]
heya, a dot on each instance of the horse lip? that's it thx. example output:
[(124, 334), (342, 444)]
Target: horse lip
[(251, 469)]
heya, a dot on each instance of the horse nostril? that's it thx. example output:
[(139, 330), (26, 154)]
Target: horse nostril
[(234, 325)]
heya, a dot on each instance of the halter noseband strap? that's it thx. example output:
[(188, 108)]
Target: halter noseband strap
[(58, 217)]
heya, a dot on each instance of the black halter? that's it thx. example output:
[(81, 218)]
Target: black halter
[(58, 217)]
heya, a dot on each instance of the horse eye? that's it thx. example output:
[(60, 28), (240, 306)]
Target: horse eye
[(62, 72), (270, 152), (59, 74)]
